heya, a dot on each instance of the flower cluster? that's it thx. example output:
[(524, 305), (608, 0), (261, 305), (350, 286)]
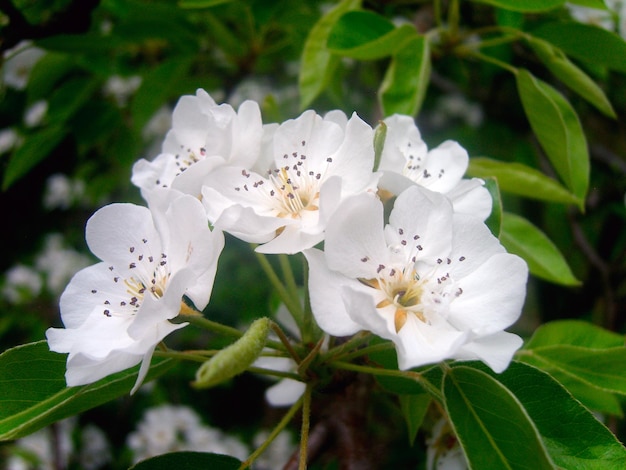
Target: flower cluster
[(430, 277)]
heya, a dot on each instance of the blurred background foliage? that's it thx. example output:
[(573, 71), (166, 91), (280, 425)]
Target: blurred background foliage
[(96, 94)]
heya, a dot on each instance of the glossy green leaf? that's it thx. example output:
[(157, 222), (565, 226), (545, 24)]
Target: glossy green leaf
[(586, 42), (33, 393), (494, 221), (544, 259), (189, 460), (201, 3), (317, 65), (558, 130), (516, 178), (414, 408), (600, 368), (366, 35), (574, 333), (404, 86), (574, 438), (525, 5), (46, 73), (571, 75), (491, 424), (593, 398), (35, 149)]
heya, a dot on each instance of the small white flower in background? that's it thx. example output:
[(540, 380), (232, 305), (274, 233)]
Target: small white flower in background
[(173, 428), (9, 139), (308, 165), (155, 130), (121, 88), (116, 311), (95, 451), (435, 282), (47, 449), (19, 61), (444, 451), (35, 113), (204, 135), (406, 161), (21, 284), (58, 264), (62, 192), (455, 106), (278, 452), (614, 14)]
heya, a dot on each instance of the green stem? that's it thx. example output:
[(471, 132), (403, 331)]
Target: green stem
[(285, 341), (429, 387), (290, 279), (274, 373), (348, 346), (185, 356), (367, 350), (306, 423), (292, 304), (279, 427), (487, 58)]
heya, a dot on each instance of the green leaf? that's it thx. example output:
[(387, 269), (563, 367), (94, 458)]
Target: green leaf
[(587, 43), (33, 393), (544, 259), (35, 149), (524, 5), (236, 358), (571, 75), (574, 333), (599, 4), (156, 89), (366, 35), (414, 408), (201, 3), (404, 86), (491, 424), (318, 65), (46, 74), (69, 97), (494, 221), (516, 178), (558, 130), (600, 368), (575, 439), (189, 460)]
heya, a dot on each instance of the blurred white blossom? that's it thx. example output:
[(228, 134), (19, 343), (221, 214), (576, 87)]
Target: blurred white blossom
[(57, 263), (19, 61), (121, 88), (444, 451), (47, 449), (35, 113), (62, 192), (456, 107), (95, 451), (276, 454), (21, 284), (173, 428), (9, 139), (612, 18)]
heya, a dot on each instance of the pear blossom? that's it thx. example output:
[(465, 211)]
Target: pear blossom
[(406, 160), (204, 135), (435, 282), (307, 167), (116, 311)]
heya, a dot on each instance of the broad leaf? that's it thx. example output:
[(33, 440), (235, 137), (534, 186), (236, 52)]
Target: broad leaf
[(33, 393), (517, 178), (414, 408), (558, 130), (201, 3), (575, 439), (404, 86), (189, 460), (544, 259), (599, 368), (35, 149), (491, 424), (585, 42), (574, 333), (571, 75), (525, 5), (318, 64), (366, 35)]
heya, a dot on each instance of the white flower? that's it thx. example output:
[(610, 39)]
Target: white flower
[(61, 192), (19, 61), (278, 452), (116, 311), (95, 451), (171, 428), (435, 282), (48, 449), (22, 283), (58, 264), (35, 113), (9, 139), (121, 88), (308, 166), (444, 451), (406, 161), (204, 135)]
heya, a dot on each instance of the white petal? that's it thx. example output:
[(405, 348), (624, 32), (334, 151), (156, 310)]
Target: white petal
[(471, 197), (326, 299), (495, 350), (402, 140), (291, 240), (285, 393), (493, 295), (354, 243), (446, 165)]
